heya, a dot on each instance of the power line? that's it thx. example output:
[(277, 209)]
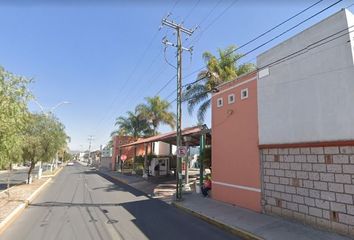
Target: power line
[(310, 47), (272, 39), (133, 71), (256, 38), (213, 21), (164, 86), (191, 11), (184, 19), (298, 53), (135, 68), (128, 79), (349, 6), (209, 13), (200, 79), (174, 5)]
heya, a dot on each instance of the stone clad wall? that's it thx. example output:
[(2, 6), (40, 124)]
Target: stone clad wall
[(313, 185)]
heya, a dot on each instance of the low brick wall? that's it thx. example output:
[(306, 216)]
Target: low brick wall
[(313, 185)]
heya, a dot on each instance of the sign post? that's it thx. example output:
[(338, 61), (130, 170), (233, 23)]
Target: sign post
[(123, 157)]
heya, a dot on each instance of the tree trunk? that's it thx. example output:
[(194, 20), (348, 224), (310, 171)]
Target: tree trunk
[(29, 171)]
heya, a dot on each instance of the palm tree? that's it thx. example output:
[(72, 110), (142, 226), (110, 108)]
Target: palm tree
[(219, 70), (132, 125), (155, 111)]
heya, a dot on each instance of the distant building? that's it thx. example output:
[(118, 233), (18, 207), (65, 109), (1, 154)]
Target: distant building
[(107, 152)]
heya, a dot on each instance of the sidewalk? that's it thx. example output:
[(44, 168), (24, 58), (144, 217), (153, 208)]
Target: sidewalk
[(249, 224), (163, 189), (240, 221)]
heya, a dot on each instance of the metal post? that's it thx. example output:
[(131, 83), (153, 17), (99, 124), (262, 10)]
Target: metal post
[(201, 158), (145, 162), (186, 184), (134, 159)]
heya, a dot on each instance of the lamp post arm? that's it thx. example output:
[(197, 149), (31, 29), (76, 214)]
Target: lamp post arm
[(58, 105), (39, 105)]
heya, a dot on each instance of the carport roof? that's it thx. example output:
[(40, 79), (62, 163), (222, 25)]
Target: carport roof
[(170, 137)]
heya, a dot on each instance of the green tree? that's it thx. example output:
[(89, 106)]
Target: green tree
[(14, 95), (45, 136), (219, 70), (156, 112), (133, 125)]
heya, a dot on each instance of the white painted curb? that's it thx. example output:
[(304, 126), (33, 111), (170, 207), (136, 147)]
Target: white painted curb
[(18, 210), (35, 193), (53, 175), (11, 217)]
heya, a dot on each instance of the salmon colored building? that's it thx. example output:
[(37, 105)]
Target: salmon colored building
[(118, 142), (283, 136), (235, 155)]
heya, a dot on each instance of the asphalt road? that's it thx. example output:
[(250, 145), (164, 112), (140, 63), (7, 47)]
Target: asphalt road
[(80, 204), (17, 177)]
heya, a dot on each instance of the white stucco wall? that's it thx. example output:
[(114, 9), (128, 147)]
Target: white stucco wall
[(311, 96), (161, 149)]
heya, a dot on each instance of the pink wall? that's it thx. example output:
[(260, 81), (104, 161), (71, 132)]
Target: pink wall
[(117, 142), (235, 155), (129, 151)]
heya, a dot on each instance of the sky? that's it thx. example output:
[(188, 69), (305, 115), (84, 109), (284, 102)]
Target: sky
[(105, 56)]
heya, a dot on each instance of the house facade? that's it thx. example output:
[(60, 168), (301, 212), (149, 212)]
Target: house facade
[(235, 157), (119, 141), (292, 138)]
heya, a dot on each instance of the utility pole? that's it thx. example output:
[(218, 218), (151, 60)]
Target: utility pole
[(89, 156), (179, 30)]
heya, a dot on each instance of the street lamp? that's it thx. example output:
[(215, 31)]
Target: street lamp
[(58, 105), (46, 113)]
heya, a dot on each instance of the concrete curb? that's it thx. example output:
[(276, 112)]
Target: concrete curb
[(53, 175), (11, 217), (236, 231), (35, 193), (19, 209)]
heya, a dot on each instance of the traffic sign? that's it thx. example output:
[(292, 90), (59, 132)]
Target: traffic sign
[(182, 151), (123, 157)]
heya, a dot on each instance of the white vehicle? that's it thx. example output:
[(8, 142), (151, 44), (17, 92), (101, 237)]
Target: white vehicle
[(70, 164)]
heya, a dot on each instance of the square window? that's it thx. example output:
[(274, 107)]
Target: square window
[(231, 98), (244, 93), (219, 102)]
